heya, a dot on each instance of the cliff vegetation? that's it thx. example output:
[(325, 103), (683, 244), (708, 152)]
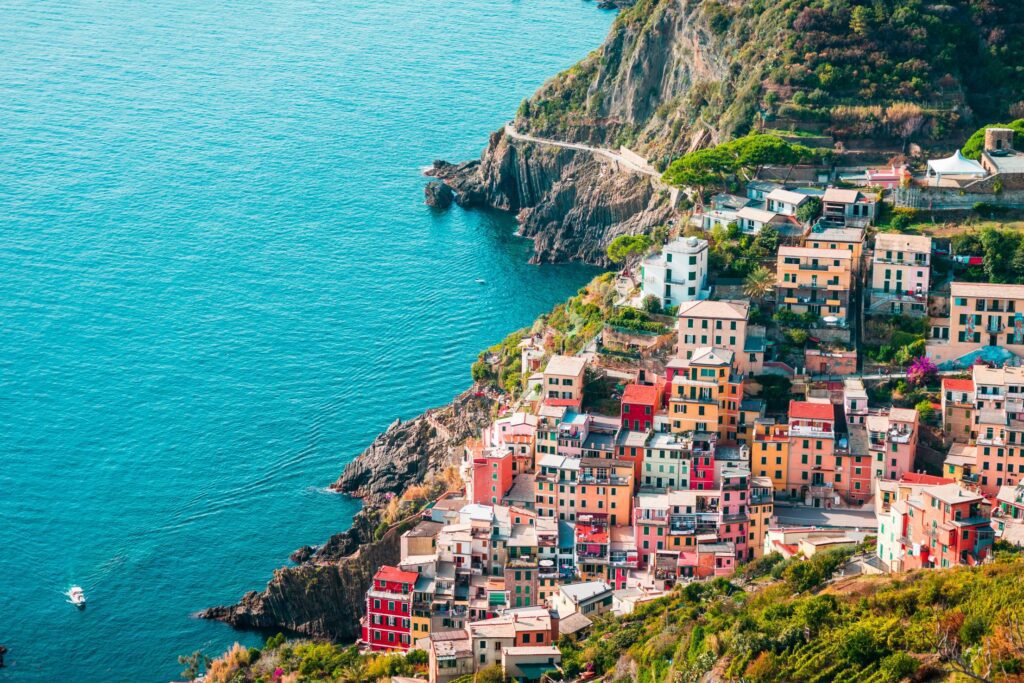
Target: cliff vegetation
[(674, 75), (928, 625)]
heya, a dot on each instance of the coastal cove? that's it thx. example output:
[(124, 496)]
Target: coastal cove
[(218, 283)]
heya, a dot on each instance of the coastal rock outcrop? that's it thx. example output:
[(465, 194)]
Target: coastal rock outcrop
[(405, 452), (438, 195), (324, 596), (571, 203)]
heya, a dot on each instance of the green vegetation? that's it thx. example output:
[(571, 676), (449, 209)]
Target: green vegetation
[(1002, 251), (566, 329), (636, 321), (898, 70), (928, 624), (746, 155), (625, 246), (895, 339), (976, 143), (733, 253), (303, 660)]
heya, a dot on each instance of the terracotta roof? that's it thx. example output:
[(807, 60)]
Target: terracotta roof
[(645, 394), (730, 310), (987, 290), (811, 411), (395, 575), (957, 384)]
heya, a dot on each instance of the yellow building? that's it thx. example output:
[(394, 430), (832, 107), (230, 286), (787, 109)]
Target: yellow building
[(706, 395), (814, 281), (769, 455), (722, 325)]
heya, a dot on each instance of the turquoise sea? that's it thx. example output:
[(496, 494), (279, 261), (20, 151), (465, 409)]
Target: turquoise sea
[(218, 281)]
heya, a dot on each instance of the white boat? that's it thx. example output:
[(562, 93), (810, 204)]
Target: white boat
[(76, 596), (481, 281)]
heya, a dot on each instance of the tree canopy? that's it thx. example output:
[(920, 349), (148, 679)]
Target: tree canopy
[(747, 155)]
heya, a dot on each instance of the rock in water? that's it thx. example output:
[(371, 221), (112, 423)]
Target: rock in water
[(438, 194)]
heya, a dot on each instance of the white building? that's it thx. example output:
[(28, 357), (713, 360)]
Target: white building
[(679, 273)]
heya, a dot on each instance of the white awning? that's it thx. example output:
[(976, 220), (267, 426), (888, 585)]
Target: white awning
[(957, 164)]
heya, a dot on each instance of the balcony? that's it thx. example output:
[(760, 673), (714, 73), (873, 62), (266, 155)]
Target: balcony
[(811, 431), (527, 562)]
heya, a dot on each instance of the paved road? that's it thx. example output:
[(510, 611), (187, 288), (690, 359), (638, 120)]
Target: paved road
[(603, 151), (806, 516)]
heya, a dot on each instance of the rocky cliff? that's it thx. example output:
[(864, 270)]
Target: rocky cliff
[(570, 203), (678, 75), (324, 596)]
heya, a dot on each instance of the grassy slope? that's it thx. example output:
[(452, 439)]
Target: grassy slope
[(859, 629)]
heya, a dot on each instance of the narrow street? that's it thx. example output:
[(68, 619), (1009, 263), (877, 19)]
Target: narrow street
[(836, 518)]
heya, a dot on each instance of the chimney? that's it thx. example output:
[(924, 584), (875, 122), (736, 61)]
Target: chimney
[(554, 624)]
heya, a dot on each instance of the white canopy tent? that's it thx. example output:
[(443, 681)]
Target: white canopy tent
[(957, 165)]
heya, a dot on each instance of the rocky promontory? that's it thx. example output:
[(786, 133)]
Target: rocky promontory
[(324, 595), (569, 202)]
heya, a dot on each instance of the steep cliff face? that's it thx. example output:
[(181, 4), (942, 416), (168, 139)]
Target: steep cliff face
[(324, 596), (407, 451), (571, 203)]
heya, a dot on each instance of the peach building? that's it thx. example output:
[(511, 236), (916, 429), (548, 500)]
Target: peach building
[(723, 325), (900, 269), (958, 408), (605, 487), (762, 508), (980, 314), (707, 398), (837, 238), (812, 468), (815, 281), (999, 422), (563, 381)]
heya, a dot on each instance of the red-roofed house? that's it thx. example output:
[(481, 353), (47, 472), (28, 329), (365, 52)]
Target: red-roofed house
[(958, 408), (814, 469), (639, 404), (386, 625)]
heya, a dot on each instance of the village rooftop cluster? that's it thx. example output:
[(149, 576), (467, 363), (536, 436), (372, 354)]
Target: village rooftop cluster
[(567, 512)]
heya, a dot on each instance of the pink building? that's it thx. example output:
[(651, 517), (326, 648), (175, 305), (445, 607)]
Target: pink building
[(812, 467)]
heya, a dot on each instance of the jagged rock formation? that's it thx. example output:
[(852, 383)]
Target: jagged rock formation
[(324, 596), (570, 202), (407, 451), (438, 195)]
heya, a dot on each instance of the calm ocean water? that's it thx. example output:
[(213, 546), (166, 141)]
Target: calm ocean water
[(218, 282)]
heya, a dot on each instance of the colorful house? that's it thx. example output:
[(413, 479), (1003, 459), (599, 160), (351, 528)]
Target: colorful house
[(639, 404), (387, 624)]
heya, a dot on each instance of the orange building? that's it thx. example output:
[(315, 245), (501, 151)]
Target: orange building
[(706, 395), (815, 281), (958, 408), (769, 454), (605, 487)]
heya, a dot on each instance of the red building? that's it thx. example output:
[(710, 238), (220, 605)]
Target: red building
[(493, 471), (639, 404), (946, 526), (386, 625)]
